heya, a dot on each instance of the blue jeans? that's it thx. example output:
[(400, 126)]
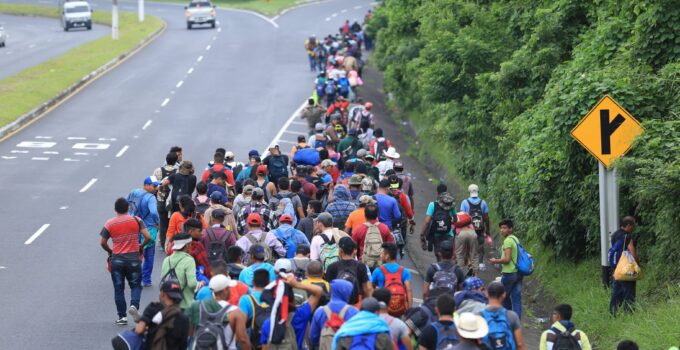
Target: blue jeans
[(312, 63), (147, 266), (513, 292), (130, 270), (623, 294)]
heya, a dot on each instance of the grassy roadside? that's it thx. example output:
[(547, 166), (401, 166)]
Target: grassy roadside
[(652, 326), (31, 87), (266, 7)]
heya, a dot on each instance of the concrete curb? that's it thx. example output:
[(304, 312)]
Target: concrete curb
[(46, 106)]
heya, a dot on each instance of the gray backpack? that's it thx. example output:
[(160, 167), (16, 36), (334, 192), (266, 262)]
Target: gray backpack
[(210, 331)]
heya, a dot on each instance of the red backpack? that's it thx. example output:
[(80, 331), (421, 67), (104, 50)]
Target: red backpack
[(396, 287)]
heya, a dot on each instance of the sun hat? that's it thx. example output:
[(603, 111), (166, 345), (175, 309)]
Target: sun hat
[(355, 180), (366, 199), (446, 201), (391, 153), (471, 326), (283, 265)]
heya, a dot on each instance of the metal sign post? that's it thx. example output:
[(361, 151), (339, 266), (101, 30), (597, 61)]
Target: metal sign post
[(609, 218), (114, 20), (140, 10)]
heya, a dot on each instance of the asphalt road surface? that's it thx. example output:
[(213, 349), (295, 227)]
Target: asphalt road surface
[(235, 87), (33, 40)]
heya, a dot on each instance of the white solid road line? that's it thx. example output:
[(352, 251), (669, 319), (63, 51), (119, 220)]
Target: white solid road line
[(181, 82), (37, 234), (165, 102), (191, 70), (286, 141), (71, 160), (146, 125), (334, 15), (50, 152), (199, 59), (285, 126), (88, 185), (17, 151), (43, 137), (269, 20), (122, 151), (8, 157), (107, 139)]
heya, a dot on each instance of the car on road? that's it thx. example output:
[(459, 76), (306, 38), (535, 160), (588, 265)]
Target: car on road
[(76, 14), (3, 36), (200, 12)]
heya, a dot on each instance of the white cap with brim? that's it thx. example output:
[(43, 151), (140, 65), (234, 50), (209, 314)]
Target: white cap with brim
[(283, 265), (178, 244), (471, 326), (219, 282)]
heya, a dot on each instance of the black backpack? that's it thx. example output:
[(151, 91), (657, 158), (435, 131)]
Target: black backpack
[(564, 340), (201, 207), (261, 313), (380, 148), (350, 274), (277, 167), (217, 248), (171, 275), (441, 221), (365, 121), (477, 215)]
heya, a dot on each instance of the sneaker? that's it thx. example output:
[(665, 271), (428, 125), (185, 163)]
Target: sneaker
[(147, 284), (482, 267), (122, 321), (132, 311)]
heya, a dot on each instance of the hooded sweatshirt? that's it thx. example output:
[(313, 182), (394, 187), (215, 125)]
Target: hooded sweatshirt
[(365, 322), (341, 206), (341, 290), (470, 301)]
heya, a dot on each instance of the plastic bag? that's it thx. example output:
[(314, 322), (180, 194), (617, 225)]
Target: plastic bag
[(627, 269)]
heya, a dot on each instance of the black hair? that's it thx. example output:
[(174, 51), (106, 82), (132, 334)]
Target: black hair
[(506, 222), (220, 150), (219, 267), (261, 278), (627, 221), (234, 254), (495, 290), (250, 182), (564, 310), (315, 268), (218, 157), (382, 294), (295, 186), (121, 206), (284, 183), (445, 253), (171, 158), (360, 168), (371, 211), (301, 138), (188, 205), (323, 154), (627, 345), (349, 167), (315, 205), (446, 305), (348, 249), (391, 250), (302, 249), (441, 188), (175, 149), (378, 132), (193, 223), (201, 188)]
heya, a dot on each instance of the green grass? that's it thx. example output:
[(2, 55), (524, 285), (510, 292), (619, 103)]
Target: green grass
[(266, 7), (29, 88)]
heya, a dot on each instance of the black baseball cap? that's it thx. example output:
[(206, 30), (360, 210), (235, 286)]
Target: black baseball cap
[(172, 289)]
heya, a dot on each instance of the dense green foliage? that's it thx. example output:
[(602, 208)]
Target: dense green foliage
[(501, 85)]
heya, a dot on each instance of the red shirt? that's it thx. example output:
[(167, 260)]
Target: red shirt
[(200, 256), (218, 168), (123, 230), (359, 235)]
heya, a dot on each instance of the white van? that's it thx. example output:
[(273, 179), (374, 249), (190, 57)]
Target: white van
[(76, 14)]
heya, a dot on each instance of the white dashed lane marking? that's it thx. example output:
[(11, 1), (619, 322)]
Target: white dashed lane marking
[(37, 234), (76, 138), (199, 59), (207, 48), (146, 125), (122, 151), (181, 82), (191, 70), (40, 158), (165, 102), (88, 185)]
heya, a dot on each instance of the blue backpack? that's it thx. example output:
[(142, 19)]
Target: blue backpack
[(330, 88), (307, 156), (286, 238), (447, 336), (525, 262), (500, 336), (344, 85), (364, 341), (137, 201), (320, 91), (128, 340)]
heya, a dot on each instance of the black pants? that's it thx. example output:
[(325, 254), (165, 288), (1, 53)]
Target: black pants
[(165, 221)]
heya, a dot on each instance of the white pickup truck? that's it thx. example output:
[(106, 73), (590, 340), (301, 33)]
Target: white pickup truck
[(200, 12)]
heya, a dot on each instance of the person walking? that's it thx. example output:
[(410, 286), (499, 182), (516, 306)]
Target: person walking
[(439, 219), (124, 257), (511, 278), (563, 333), (623, 292), (479, 213), (504, 325), (163, 194), (146, 208), (184, 267), (466, 243), (398, 329), (366, 329)]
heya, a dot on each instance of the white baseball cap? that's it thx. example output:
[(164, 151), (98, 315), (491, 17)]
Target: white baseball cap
[(219, 282), (474, 190)]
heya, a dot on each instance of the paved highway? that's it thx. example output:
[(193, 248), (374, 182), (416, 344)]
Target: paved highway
[(33, 40), (233, 87)]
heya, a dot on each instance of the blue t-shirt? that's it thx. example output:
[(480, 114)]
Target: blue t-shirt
[(430, 211), (204, 293), (465, 206), (302, 317), (248, 273), (245, 305), (378, 278), (388, 208)]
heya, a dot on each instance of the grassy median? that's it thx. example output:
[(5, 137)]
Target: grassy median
[(31, 87)]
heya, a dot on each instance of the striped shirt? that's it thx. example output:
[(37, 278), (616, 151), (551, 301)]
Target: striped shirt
[(124, 230)]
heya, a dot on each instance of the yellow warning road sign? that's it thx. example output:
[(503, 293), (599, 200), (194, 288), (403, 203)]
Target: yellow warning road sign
[(607, 131)]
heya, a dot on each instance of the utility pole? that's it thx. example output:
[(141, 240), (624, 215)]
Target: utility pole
[(609, 218), (140, 10), (114, 21)]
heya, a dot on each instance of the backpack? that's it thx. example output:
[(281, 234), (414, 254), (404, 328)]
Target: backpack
[(444, 279), (289, 209), (163, 191), (261, 312), (350, 275), (329, 89), (217, 248), (171, 275), (210, 331), (395, 284), (320, 89), (212, 173), (441, 221), (351, 151), (329, 252), (564, 340), (333, 323), (201, 207), (447, 336), (344, 85), (309, 156), (320, 141), (129, 340), (525, 262), (287, 241), (277, 167), (500, 336), (136, 201), (364, 341), (298, 271), (372, 246), (268, 257), (289, 339), (477, 215), (380, 147)]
